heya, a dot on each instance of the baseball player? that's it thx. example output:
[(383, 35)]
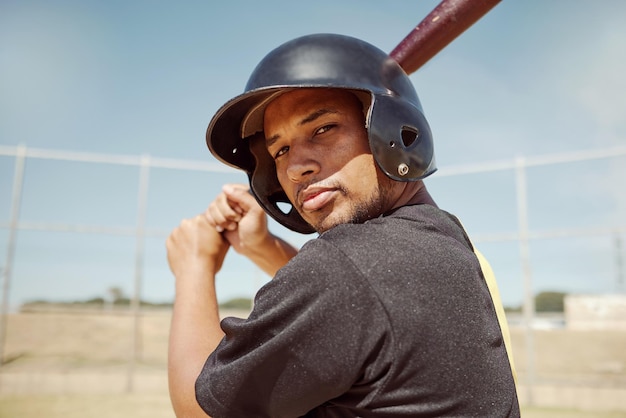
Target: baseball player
[(387, 311)]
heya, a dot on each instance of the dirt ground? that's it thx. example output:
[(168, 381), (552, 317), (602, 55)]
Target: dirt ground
[(153, 406), (80, 365)]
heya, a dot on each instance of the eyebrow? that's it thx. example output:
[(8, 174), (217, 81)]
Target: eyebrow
[(307, 119)]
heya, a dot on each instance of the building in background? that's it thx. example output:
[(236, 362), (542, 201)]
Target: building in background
[(595, 312)]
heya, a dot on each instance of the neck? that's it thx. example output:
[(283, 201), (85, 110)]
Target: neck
[(415, 193)]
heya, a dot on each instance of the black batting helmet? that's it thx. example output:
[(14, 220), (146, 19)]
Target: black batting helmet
[(399, 135)]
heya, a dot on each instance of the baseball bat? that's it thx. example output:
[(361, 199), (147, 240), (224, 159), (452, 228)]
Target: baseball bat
[(447, 21)]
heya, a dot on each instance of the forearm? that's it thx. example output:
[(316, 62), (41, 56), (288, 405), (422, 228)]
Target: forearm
[(272, 254), (194, 335)]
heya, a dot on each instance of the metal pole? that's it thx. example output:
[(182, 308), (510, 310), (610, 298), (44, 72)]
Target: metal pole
[(18, 180), (142, 204), (524, 249), (619, 263)]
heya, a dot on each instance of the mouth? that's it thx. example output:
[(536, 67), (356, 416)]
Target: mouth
[(315, 198)]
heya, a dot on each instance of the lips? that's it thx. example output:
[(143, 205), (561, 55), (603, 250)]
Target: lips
[(316, 198)]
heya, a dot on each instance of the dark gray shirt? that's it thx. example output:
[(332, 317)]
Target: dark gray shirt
[(390, 318)]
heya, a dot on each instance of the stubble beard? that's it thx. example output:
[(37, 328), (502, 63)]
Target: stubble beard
[(373, 206)]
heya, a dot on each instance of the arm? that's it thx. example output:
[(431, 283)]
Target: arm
[(196, 252), (236, 213), (280, 360)]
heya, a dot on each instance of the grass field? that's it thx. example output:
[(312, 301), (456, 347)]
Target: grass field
[(77, 365)]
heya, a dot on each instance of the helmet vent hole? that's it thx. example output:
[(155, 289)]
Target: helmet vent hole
[(409, 135), (392, 144), (284, 207), (234, 150)]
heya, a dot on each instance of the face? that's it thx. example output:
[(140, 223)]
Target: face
[(318, 141)]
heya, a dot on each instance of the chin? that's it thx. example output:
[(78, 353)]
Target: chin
[(330, 221), (321, 224)]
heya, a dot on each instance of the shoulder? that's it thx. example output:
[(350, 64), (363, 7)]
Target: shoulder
[(403, 220), (319, 270), (411, 231)]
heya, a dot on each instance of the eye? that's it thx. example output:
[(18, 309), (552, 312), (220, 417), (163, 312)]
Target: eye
[(324, 129), (281, 151)]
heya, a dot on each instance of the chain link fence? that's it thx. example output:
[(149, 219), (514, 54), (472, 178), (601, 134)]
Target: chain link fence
[(76, 226)]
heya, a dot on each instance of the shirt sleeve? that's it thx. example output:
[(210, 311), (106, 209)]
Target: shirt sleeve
[(310, 334)]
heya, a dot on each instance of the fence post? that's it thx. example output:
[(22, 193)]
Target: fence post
[(135, 305), (524, 249), (619, 263), (18, 180)]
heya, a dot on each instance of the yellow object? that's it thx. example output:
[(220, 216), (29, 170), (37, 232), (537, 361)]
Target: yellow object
[(490, 278)]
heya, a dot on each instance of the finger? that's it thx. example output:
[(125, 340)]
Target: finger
[(232, 193), (239, 196), (221, 215)]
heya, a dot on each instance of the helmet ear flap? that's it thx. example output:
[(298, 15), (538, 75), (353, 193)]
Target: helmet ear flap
[(268, 192), (400, 139)]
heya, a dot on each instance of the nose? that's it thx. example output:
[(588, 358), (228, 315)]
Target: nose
[(302, 163)]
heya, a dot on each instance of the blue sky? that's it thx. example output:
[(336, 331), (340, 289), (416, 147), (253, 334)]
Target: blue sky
[(531, 78)]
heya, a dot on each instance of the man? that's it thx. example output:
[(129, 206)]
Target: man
[(387, 312)]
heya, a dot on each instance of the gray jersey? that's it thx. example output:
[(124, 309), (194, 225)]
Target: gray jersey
[(390, 318)]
